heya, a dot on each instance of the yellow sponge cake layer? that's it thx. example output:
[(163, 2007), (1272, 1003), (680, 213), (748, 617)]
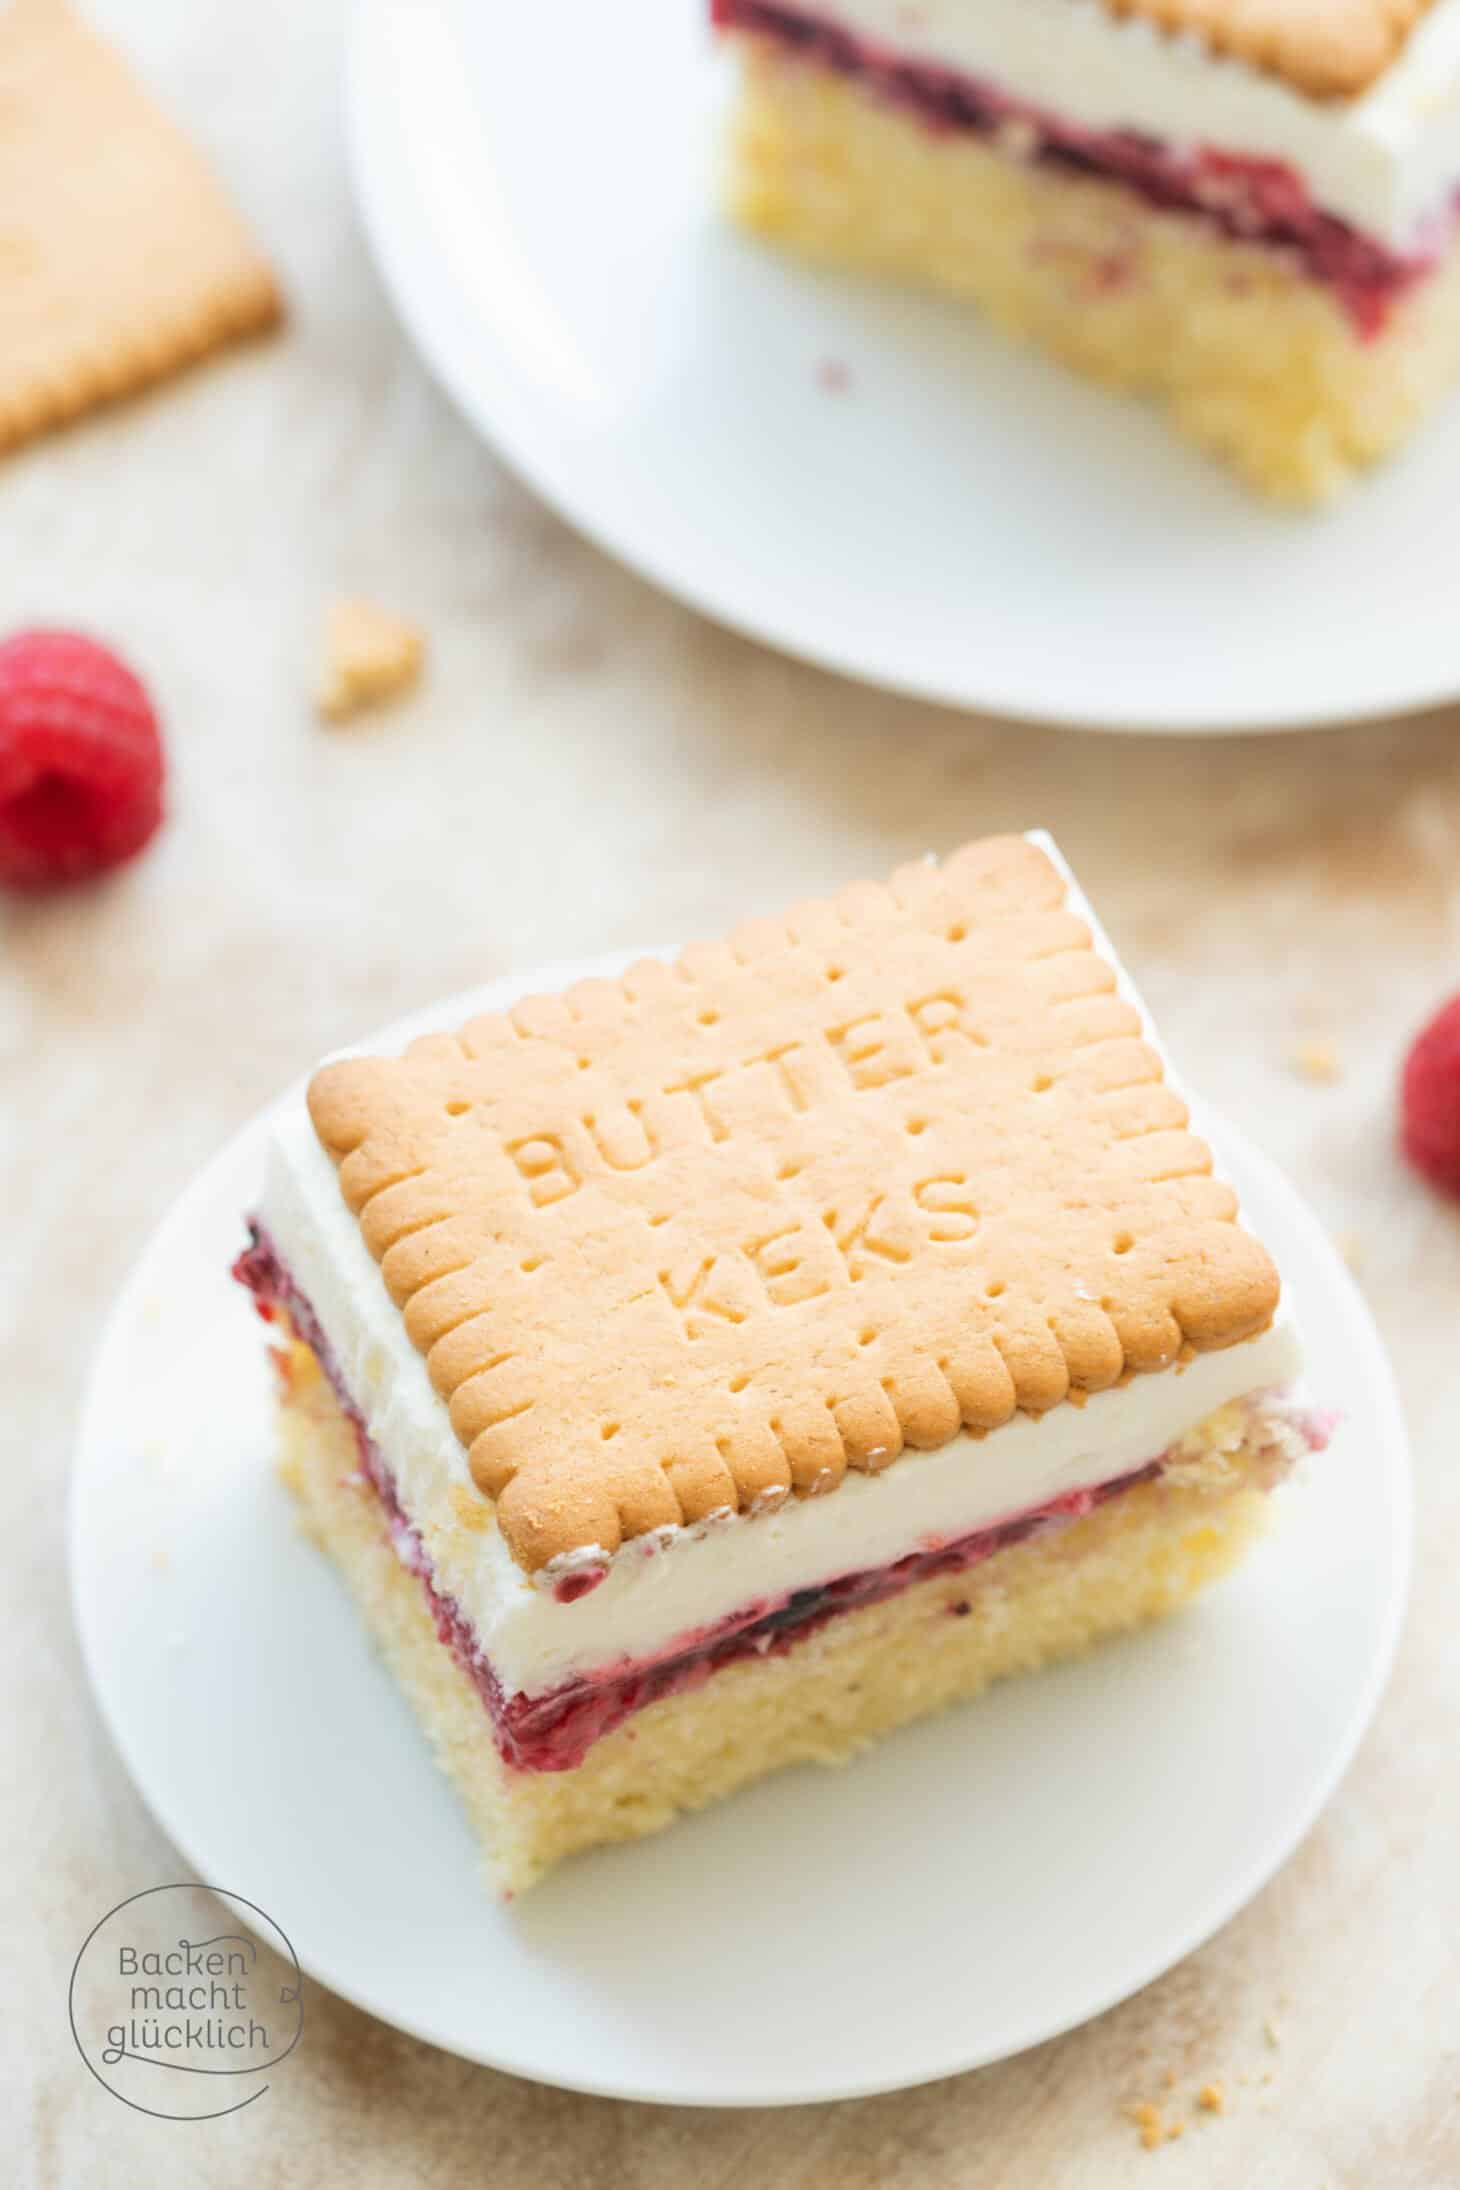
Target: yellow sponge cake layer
[(1257, 363), (836, 1690)]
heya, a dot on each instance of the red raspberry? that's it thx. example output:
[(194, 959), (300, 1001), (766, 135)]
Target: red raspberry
[(1430, 1106), (80, 760)]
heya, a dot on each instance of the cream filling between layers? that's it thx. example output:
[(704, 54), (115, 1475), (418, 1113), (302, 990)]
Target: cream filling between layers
[(659, 1588), (1385, 162)]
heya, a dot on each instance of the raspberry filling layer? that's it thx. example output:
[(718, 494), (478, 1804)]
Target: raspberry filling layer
[(1260, 201), (554, 1731)]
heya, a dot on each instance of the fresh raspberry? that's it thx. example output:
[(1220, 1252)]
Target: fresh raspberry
[(80, 760), (1430, 1105)]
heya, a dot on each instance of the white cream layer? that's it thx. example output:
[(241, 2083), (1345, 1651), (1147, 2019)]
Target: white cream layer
[(662, 1588), (1386, 162)]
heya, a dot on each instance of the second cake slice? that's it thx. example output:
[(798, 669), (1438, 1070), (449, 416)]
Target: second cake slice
[(1244, 207)]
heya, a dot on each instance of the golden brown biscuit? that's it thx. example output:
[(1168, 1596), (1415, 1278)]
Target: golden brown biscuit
[(843, 1184), (121, 259), (1330, 49)]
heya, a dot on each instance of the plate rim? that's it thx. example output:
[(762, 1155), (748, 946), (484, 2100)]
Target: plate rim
[(369, 120), (1398, 1509)]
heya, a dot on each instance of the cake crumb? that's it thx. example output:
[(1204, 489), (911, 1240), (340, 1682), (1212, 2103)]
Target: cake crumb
[(370, 656), (1177, 2129), (1212, 2099), (472, 1512), (1318, 1062)]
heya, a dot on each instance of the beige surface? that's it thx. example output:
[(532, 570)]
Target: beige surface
[(651, 778)]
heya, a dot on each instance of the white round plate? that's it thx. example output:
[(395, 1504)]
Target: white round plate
[(961, 520), (973, 1886)]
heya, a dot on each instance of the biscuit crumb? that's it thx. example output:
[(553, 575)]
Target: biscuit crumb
[(1147, 2118), (1177, 2129), (370, 657), (1318, 1062), (1271, 2032), (1212, 2099)]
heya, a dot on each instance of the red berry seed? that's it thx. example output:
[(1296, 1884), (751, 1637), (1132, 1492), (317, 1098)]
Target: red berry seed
[(80, 761), (1430, 1101)]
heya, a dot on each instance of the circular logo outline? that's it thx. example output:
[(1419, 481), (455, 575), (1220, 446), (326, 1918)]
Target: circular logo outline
[(222, 1893)]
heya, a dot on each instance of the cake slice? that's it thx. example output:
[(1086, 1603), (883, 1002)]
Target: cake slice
[(713, 1369), (1245, 207)]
